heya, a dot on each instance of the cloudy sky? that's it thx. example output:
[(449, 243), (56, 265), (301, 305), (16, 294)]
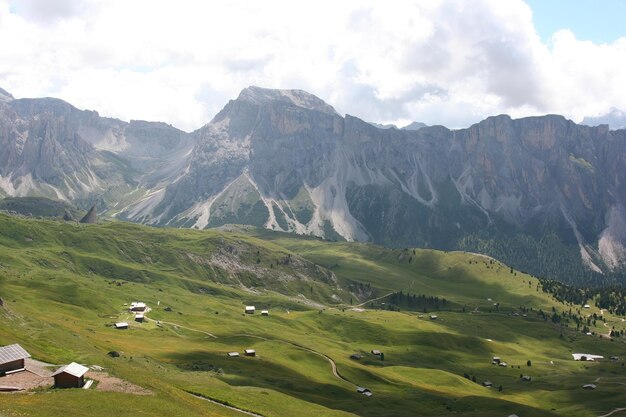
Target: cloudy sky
[(450, 62)]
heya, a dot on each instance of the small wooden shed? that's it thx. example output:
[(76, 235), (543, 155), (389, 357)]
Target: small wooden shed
[(363, 390), (250, 352), (70, 376)]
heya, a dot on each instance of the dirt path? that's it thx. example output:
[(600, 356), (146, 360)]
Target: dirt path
[(373, 299), (609, 382), (333, 365), (617, 410), (110, 383), (473, 253), (183, 327), (230, 407)]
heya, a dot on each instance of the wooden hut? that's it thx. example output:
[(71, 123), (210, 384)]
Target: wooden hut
[(70, 376)]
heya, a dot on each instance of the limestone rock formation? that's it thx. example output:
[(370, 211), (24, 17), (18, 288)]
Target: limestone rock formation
[(91, 217)]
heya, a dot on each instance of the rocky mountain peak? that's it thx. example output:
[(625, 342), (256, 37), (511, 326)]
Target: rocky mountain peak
[(615, 118), (300, 98), (5, 95), (91, 217), (414, 126)]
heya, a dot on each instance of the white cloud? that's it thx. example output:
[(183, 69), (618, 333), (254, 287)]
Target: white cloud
[(448, 62)]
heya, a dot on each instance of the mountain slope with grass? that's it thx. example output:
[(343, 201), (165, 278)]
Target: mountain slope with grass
[(63, 285)]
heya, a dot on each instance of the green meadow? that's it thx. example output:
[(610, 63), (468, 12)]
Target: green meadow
[(64, 284)]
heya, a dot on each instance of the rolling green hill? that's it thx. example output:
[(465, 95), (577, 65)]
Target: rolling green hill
[(39, 206), (63, 285)]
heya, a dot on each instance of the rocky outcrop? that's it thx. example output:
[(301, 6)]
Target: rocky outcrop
[(5, 95), (91, 217), (49, 148), (67, 216)]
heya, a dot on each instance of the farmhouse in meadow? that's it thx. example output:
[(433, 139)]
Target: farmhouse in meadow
[(137, 306), (250, 352), (121, 325), (139, 317), (265, 312), (70, 376), (12, 358), (586, 357), (250, 309)]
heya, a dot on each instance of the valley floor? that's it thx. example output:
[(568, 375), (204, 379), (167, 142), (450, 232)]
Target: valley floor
[(63, 289)]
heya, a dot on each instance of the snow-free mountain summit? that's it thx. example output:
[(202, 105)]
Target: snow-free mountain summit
[(542, 193)]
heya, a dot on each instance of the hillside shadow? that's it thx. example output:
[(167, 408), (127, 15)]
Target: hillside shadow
[(261, 373)]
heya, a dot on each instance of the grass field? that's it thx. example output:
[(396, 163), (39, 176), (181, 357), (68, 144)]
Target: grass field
[(63, 285)]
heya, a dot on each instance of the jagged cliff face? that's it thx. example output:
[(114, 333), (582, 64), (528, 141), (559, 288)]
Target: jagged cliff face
[(286, 160), (49, 148)]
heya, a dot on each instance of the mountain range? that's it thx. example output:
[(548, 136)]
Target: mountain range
[(544, 194)]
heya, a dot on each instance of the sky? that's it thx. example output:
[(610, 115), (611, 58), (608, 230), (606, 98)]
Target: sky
[(450, 62)]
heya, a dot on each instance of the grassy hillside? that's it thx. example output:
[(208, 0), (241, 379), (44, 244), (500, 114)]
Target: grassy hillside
[(63, 285), (39, 206)]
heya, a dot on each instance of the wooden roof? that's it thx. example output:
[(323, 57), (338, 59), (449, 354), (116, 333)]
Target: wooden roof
[(12, 353), (73, 369)]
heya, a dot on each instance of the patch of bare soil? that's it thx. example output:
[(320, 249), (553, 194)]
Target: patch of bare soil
[(107, 382), (26, 381), (42, 369)]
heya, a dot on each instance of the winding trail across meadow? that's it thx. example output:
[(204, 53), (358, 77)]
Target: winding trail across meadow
[(617, 410), (183, 327), (333, 365), (373, 299), (230, 407)]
